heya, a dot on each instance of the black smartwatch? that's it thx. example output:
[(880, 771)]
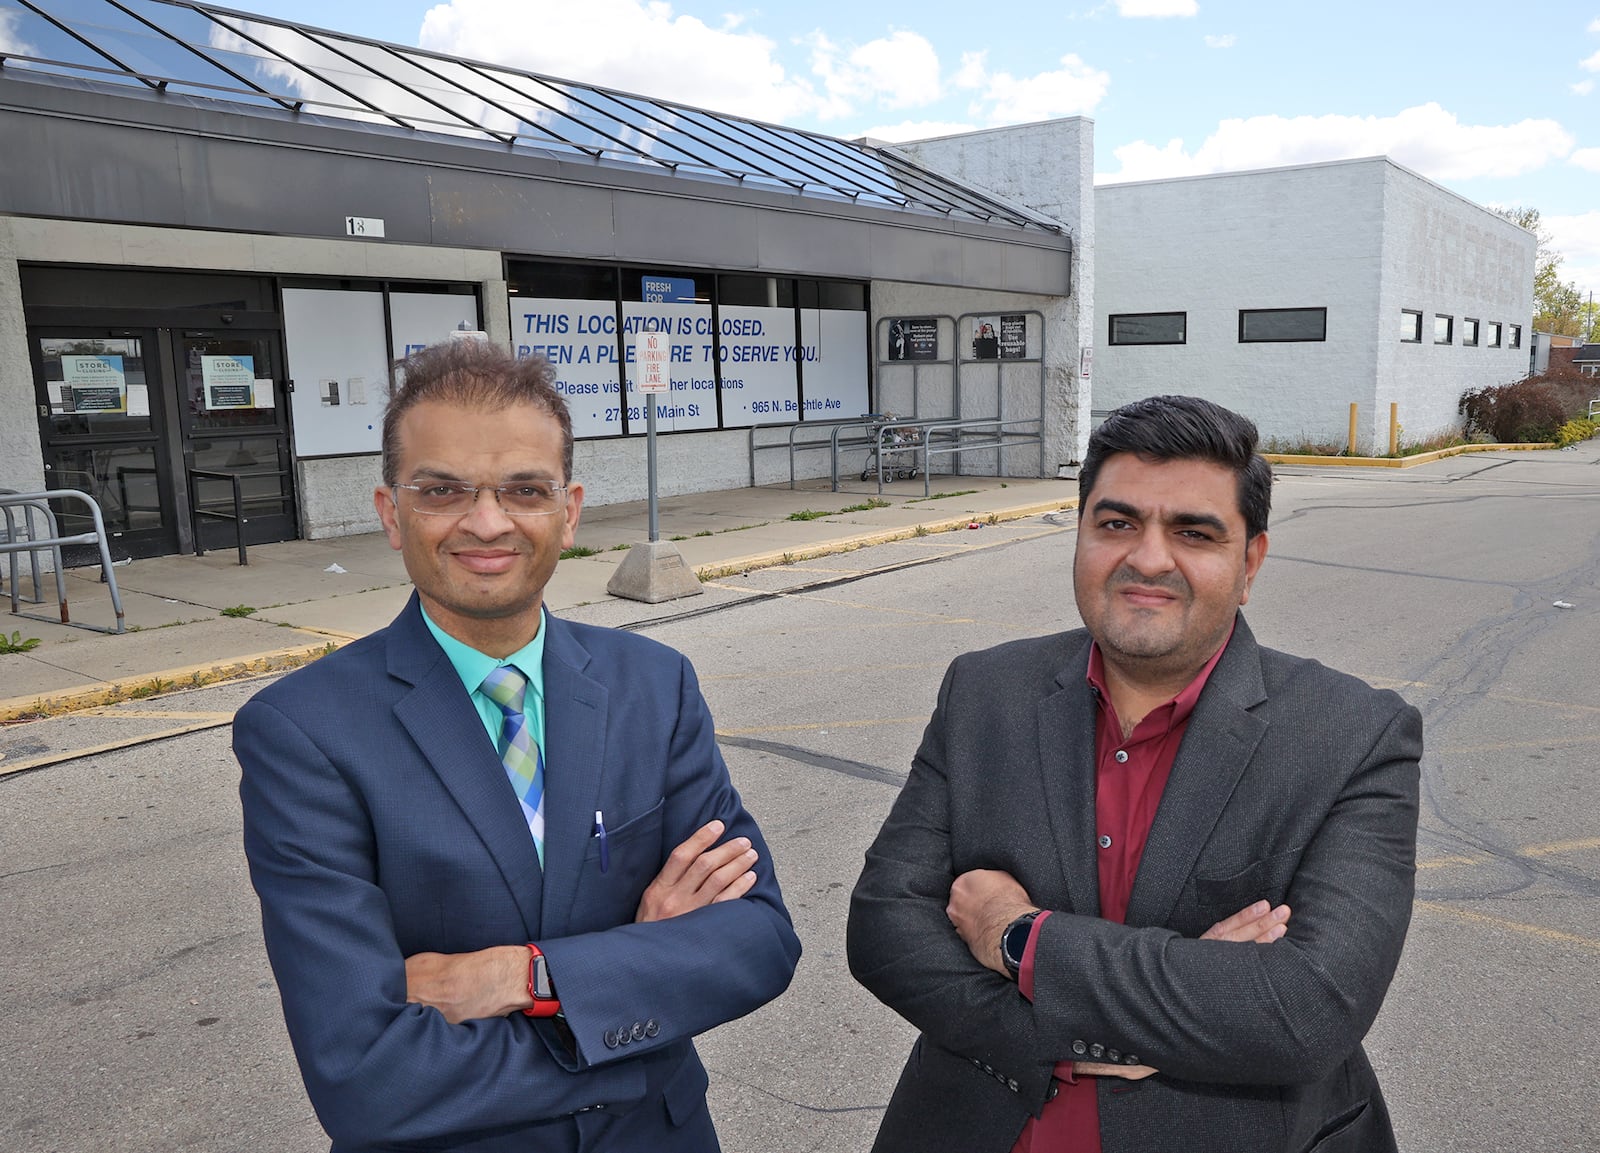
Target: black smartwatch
[(1014, 942)]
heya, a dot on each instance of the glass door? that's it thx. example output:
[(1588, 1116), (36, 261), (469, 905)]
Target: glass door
[(236, 424), (101, 417)]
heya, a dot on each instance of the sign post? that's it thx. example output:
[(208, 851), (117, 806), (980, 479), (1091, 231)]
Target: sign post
[(655, 571), (655, 375)]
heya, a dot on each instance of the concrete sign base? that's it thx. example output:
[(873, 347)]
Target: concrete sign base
[(652, 573)]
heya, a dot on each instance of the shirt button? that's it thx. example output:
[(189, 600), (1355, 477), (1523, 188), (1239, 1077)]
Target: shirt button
[(1105, 840), (1122, 756)]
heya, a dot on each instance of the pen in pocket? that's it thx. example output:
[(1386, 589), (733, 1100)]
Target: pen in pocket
[(600, 831)]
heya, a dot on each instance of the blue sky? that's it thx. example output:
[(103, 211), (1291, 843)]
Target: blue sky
[(1500, 103)]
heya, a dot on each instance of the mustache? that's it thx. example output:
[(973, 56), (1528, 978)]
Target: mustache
[(1171, 582)]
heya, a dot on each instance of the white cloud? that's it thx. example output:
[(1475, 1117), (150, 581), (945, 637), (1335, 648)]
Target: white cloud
[(1577, 238), (1586, 158), (1582, 87), (1592, 64), (638, 47), (918, 130), (1071, 90), (1426, 138), (974, 70), (1157, 8), (899, 71), (1594, 25), (10, 42), (1226, 40)]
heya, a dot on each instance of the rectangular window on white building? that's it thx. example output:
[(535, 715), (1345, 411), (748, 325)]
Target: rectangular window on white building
[(1443, 328), (1410, 326), (1149, 328), (1516, 336), (1273, 325), (1491, 334), (1469, 332)]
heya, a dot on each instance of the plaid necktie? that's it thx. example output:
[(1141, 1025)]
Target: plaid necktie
[(519, 752)]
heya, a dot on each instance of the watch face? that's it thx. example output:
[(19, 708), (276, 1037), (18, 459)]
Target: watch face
[(541, 980)]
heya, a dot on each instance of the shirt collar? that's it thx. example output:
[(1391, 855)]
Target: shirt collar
[(472, 666), (1181, 705)]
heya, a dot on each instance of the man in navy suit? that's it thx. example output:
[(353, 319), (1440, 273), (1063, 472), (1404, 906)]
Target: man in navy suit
[(498, 917)]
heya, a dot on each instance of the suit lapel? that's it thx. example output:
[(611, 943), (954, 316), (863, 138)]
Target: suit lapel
[(1066, 761), (1221, 738), (575, 712), (438, 714)]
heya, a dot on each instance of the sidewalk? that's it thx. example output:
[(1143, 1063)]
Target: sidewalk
[(308, 597)]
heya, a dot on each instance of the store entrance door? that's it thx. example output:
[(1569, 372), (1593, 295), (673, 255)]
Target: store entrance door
[(102, 414), (155, 424), (235, 423)]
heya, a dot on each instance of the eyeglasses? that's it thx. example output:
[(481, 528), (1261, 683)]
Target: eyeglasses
[(524, 498)]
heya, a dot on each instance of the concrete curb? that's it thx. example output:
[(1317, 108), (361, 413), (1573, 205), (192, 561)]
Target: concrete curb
[(147, 685), (772, 558), (1403, 461)]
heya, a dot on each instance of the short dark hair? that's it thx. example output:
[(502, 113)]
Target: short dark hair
[(472, 374), (1162, 428)]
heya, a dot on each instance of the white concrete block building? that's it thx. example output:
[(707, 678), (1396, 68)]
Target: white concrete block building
[(1291, 293)]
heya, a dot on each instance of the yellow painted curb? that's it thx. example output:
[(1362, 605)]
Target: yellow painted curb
[(1403, 461), (881, 536), (148, 685)]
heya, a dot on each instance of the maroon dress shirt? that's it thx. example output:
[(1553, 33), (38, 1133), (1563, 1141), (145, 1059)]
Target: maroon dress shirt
[(1129, 777)]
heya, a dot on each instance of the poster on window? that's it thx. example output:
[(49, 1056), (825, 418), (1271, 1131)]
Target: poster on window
[(1000, 337), (834, 342), (579, 339), (760, 380), (229, 381), (914, 338), (93, 384), (690, 401)]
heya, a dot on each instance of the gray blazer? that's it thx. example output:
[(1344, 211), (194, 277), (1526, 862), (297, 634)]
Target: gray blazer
[(1294, 783)]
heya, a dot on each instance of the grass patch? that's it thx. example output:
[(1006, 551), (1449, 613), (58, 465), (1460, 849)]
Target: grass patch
[(703, 532), (239, 611), (577, 551), (17, 643), (871, 504), (943, 495), (921, 530), (742, 527), (809, 514), (621, 547)]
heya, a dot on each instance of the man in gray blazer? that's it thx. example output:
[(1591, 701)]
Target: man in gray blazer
[(1082, 896)]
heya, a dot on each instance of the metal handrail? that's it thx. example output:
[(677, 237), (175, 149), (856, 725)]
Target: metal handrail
[(53, 543), (831, 443), (236, 516), (930, 429)]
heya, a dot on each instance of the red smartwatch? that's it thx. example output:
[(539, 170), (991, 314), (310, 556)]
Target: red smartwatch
[(540, 988)]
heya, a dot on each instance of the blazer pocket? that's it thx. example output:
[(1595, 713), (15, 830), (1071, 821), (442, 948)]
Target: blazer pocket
[(1267, 879), (612, 882), (1346, 1133)]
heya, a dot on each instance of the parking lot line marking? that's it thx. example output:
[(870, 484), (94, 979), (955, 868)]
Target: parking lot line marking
[(823, 725), (1556, 847), (1553, 935), (8, 767), (120, 710)]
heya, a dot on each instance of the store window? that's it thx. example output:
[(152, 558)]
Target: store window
[(1148, 328), (745, 349), (1275, 325)]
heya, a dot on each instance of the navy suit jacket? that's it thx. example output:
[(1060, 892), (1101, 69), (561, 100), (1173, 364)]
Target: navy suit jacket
[(379, 823)]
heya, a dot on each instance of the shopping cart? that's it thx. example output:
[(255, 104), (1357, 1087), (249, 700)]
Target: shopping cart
[(895, 449)]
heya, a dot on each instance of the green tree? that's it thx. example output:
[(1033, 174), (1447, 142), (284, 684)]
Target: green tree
[(1558, 306)]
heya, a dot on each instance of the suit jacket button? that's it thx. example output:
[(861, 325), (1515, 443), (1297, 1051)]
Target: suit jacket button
[(1055, 1087), (651, 1027), (624, 1036), (1012, 1085), (638, 1030), (1079, 1048), (1113, 1056), (1097, 1051), (1130, 1059), (611, 1038)]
